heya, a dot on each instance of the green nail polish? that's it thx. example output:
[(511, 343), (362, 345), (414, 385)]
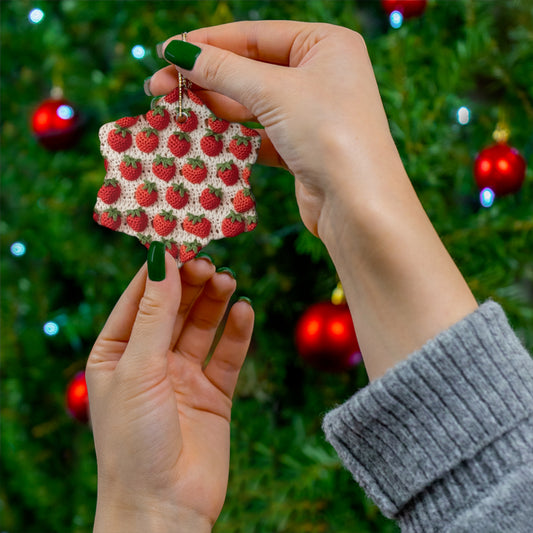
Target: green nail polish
[(245, 299), (203, 255), (253, 125), (182, 53), (226, 270), (156, 261)]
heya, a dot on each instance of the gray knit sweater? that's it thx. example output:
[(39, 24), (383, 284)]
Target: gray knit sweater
[(444, 441)]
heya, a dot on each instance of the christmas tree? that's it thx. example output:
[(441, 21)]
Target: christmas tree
[(448, 77)]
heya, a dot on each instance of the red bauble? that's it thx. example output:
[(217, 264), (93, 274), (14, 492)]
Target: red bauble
[(77, 399), (408, 8), (501, 168), (325, 337), (56, 124)]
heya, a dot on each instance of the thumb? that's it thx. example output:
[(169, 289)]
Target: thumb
[(242, 79), (152, 330)]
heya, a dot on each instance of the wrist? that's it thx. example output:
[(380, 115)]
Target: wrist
[(155, 517)]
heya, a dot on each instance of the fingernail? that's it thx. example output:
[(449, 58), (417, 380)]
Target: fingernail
[(182, 53), (203, 255), (253, 125), (156, 261), (146, 86), (226, 270), (245, 299), (159, 49)]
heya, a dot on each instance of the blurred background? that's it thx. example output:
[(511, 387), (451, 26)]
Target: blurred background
[(451, 73)]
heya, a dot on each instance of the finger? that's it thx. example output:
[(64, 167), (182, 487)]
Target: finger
[(194, 275), (224, 367), (120, 322), (152, 330), (270, 41), (204, 318)]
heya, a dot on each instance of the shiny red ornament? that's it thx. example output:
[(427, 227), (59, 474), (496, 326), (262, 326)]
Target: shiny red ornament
[(325, 337), (501, 168), (56, 124), (77, 398), (408, 8)]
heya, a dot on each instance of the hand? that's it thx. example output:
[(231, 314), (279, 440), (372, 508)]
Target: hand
[(160, 417), (311, 86)]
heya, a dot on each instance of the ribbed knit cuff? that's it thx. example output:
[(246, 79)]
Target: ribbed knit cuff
[(432, 432)]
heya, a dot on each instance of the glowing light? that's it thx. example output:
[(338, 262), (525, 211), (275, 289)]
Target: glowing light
[(337, 328), (18, 249), (36, 15), (486, 197), (503, 165), (396, 19), (138, 51), (463, 115), (51, 329), (313, 327), (65, 112), (485, 166)]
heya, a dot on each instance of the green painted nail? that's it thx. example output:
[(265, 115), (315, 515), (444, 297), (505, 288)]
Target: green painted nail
[(245, 299), (182, 53), (253, 125), (156, 261), (226, 270), (203, 255)]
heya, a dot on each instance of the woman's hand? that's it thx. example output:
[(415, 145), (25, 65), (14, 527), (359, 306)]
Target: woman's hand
[(160, 415), (313, 89)]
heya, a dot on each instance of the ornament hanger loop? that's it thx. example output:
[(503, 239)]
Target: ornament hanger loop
[(182, 82)]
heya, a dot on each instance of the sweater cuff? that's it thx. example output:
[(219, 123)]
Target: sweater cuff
[(452, 403)]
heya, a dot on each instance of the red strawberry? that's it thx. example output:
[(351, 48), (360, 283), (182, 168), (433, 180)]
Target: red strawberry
[(191, 121), (179, 143), (188, 250), (211, 143), (240, 146), (177, 196), (147, 140), (146, 193), (158, 117), (243, 201), (145, 240), (194, 97), (111, 218), (228, 172), (119, 139), (173, 96), (248, 132), (137, 219), (194, 170), (164, 223), (171, 247), (233, 225), (164, 167), (130, 168), (127, 122), (251, 223), (211, 198), (246, 172), (96, 217), (197, 225), (109, 192), (218, 125)]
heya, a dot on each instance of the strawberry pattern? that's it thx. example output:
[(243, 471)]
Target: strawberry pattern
[(183, 181)]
